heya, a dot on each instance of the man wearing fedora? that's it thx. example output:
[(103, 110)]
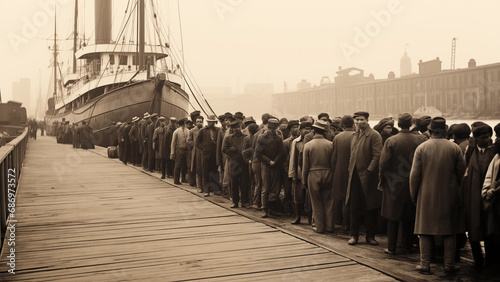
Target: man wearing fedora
[(317, 177), (362, 195), (437, 170), (168, 146), (206, 141), (232, 146), (395, 166)]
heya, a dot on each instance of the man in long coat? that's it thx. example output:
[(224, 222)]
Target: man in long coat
[(340, 165), (127, 148), (85, 131), (159, 145), (206, 141), (472, 184), (317, 176), (491, 198), (195, 174), (395, 166), (437, 170), (143, 140), (295, 170), (294, 133), (362, 195), (179, 150), (269, 151), (150, 129), (168, 146), (134, 142)]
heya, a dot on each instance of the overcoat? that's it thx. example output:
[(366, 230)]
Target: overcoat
[(395, 165), (492, 207), (365, 155), (159, 140), (472, 185), (340, 162), (195, 152), (437, 170), (206, 143)]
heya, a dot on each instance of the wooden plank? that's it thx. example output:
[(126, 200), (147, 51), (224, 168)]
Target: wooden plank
[(97, 219)]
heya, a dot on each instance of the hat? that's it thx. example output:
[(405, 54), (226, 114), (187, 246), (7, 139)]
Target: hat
[(321, 124), (234, 123), (361, 114), (305, 124), (146, 115), (438, 124), (273, 120), (265, 117), (212, 118), (162, 118), (194, 114), (385, 122), (154, 115), (461, 131), (282, 120), (113, 122), (228, 115), (292, 123), (135, 119), (238, 115), (347, 121), (221, 118), (119, 123), (249, 120), (173, 119), (323, 115), (405, 119), (182, 121)]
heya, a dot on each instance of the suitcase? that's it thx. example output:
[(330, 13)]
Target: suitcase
[(112, 152)]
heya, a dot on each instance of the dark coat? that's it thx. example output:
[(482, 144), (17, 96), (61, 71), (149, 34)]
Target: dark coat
[(159, 141), (195, 151), (168, 141), (365, 155), (269, 148), (471, 186), (395, 166), (85, 131), (492, 207), (437, 170), (340, 162), (206, 143)]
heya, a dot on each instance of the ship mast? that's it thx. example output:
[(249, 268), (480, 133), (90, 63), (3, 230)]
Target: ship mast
[(141, 34), (55, 53), (75, 33)]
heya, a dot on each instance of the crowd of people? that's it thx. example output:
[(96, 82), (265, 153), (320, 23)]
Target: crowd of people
[(79, 135), (433, 183)]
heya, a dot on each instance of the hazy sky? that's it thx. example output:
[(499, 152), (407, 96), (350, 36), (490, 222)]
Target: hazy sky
[(228, 43)]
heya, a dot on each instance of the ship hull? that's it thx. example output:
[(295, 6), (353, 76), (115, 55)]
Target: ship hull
[(123, 104)]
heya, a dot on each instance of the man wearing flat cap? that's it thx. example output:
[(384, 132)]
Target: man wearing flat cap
[(269, 151), (195, 173), (317, 177), (293, 129), (395, 164), (362, 195), (232, 146), (437, 170)]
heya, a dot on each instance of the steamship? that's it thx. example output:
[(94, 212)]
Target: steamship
[(116, 80)]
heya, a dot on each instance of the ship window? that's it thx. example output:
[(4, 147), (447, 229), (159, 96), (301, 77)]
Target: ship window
[(123, 60), (134, 60), (111, 59)]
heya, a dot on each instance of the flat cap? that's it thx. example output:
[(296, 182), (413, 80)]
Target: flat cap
[(239, 115), (361, 114), (249, 120), (405, 118), (292, 123)]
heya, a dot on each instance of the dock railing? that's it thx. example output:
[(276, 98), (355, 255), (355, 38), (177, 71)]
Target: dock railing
[(11, 162)]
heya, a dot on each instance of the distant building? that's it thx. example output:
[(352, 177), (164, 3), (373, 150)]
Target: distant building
[(429, 67), (471, 91), (303, 85), (259, 88), (405, 65), (21, 92)]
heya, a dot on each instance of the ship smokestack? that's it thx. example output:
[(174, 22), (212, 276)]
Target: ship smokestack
[(102, 13)]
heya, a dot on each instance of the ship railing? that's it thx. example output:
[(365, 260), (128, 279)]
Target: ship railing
[(11, 162)]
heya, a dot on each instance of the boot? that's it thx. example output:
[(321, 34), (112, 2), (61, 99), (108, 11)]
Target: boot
[(264, 212), (309, 217), (297, 214)]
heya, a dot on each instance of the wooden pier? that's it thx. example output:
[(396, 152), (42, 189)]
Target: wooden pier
[(83, 217)]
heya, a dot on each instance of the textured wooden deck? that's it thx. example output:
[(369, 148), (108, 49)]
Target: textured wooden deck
[(85, 217)]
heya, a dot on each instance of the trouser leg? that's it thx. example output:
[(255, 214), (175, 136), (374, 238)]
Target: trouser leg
[(477, 252), (407, 234), (392, 235), (371, 222), (163, 167), (314, 184), (426, 243), (256, 167), (450, 243), (266, 185)]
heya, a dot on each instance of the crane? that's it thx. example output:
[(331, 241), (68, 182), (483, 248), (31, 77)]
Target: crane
[(453, 49)]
